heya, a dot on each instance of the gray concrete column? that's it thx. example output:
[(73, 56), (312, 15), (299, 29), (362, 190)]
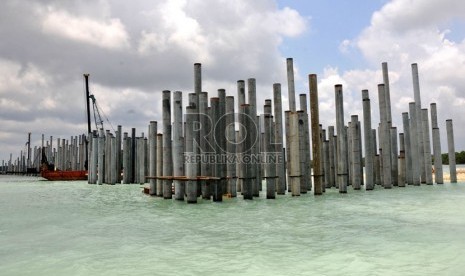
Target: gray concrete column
[(178, 160), (420, 137), (231, 146), (240, 133), (316, 143), (307, 168), (342, 169), (153, 157), (451, 150), (416, 173), (191, 165), (287, 148), (402, 163), (278, 117), (322, 157), (385, 139), (205, 147), (369, 154), (270, 166), (294, 154), (349, 153), (101, 155), (407, 150), (220, 128), (290, 84), (356, 161), (119, 156), (332, 157), (113, 160), (326, 163), (252, 95), (303, 151), (217, 189), (93, 159), (247, 139), (159, 164), (438, 173), (427, 147), (132, 164), (394, 157), (387, 92), (167, 149), (126, 158)]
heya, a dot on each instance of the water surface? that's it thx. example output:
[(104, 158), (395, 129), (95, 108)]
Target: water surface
[(73, 228)]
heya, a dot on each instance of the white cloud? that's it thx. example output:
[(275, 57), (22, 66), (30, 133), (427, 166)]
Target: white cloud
[(132, 52), (404, 32), (109, 34)]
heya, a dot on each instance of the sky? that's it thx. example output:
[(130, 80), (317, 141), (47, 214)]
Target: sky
[(133, 50)]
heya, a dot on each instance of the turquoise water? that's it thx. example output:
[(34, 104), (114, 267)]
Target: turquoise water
[(73, 228)]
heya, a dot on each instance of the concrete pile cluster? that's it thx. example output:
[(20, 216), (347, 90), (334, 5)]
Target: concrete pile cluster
[(214, 147), (67, 155), (192, 156)]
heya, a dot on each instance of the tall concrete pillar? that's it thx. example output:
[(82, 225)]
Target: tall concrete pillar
[(191, 165), (153, 157), (332, 157), (248, 134), (205, 146), (438, 173), (278, 113), (287, 151), (220, 129), (167, 149), (316, 142), (290, 84), (306, 174), (101, 158), (126, 158), (113, 170), (394, 157), (326, 163), (407, 149), (427, 147), (132, 164), (93, 159), (451, 148), (402, 163), (303, 151), (342, 169), (385, 139), (349, 153), (322, 157), (159, 164), (387, 92), (240, 134), (294, 154), (118, 153), (369, 154), (356, 161), (217, 188), (231, 146), (252, 95), (420, 137), (270, 166), (178, 160), (377, 151), (416, 173)]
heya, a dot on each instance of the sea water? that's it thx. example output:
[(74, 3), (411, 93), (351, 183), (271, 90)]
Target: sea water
[(73, 228)]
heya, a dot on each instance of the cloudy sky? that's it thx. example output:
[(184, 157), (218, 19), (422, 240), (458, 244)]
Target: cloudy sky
[(135, 49)]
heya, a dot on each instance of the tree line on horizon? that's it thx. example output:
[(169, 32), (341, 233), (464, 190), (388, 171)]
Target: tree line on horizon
[(459, 158)]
